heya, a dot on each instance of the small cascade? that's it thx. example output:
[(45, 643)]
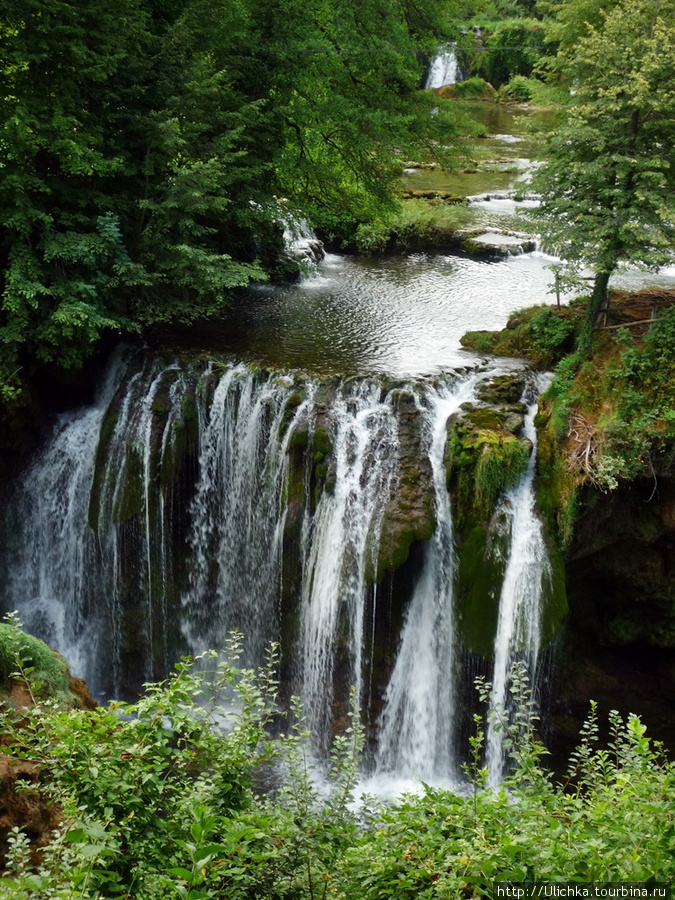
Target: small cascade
[(518, 637), (302, 244), (51, 565), (341, 541), (444, 69), (244, 425)]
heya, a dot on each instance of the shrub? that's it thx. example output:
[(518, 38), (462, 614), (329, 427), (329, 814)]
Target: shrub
[(160, 802)]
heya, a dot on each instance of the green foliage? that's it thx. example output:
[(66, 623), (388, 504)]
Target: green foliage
[(607, 186), (627, 393), (518, 90), (471, 88), (482, 460), (159, 803), (499, 468), (415, 223), (513, 48), (540, 333), (25, 658), (144, 143)]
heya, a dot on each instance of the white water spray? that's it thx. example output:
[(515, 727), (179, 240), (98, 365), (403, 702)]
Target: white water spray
[(444, 69), (518, 626)]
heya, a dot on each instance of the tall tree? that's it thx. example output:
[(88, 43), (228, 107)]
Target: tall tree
[(608, 182), (142, 143)]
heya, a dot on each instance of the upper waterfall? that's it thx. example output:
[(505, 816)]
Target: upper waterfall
[(444, 68)]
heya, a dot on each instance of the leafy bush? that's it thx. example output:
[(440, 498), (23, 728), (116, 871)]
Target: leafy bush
[(415, 223), (159, 801), (627, 394), (513, 48), (471, 88), (540, 333), (518, 90)]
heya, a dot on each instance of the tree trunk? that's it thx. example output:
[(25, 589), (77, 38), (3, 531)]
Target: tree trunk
[(595, 304)]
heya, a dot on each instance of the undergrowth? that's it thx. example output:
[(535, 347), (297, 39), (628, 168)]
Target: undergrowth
[(620, 405), (162, 799), (541, 333), (415, 223)]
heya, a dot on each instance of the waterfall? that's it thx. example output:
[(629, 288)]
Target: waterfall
[(235, 539), (518, 626), (444, 69), (197, 496), (51, 570), (301, 243), (342, 539), (416, 728)]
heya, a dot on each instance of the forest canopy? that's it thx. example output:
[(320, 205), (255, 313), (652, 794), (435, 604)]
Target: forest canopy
[(144, 144)]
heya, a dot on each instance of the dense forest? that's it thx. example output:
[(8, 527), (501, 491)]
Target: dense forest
[(151, 150), (152, 155)]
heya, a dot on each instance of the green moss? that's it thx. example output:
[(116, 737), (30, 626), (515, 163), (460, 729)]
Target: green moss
[(299, 437), (540, 333), (188, 407), (557, 487), (131, 497), (481, 465), (108, 424), (485, 417), (499, 467), (482, 560), (322, 443), (481, 567), (50, 670)]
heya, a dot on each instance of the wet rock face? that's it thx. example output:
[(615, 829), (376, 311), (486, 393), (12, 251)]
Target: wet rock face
[(486, 452), (485, 455), (619, 644), (621, 565), (410, 514)]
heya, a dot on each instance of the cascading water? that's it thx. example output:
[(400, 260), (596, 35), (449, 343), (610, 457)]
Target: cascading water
[(52, 566), (416, 729), (444, 69), (198, 496), (341, 540), (518, 637), (302, 244)]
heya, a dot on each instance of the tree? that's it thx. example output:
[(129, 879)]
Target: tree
[(142, 143), (607, 185)]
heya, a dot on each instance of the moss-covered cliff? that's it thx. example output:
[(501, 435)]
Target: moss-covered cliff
[(606, 485)]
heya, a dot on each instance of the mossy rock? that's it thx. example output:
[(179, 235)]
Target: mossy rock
[(483, 458), (502, 389), (410, 515), (482, 560), (481, 563), (321, 443), (49, 669), (557, 487), (183, 439), (292, 402), (299, 437), (542, 334), (106, 431)]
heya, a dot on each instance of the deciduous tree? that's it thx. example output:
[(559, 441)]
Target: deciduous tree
[(608, 182)]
